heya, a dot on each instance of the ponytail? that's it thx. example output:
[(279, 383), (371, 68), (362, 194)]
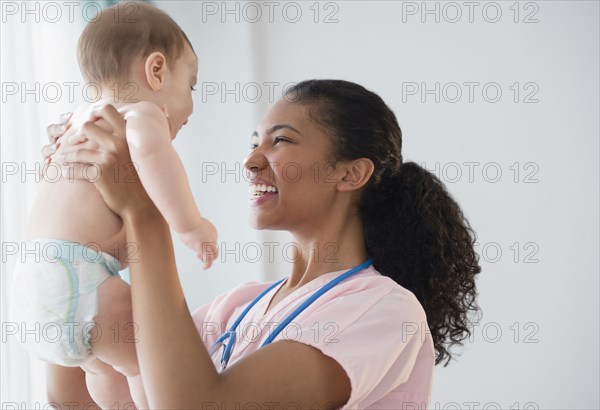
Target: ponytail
[(417, 235), (415, 232)]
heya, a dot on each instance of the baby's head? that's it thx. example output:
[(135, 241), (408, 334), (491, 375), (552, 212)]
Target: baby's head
[(136, 52)]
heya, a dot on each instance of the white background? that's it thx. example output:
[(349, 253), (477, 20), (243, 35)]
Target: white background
[(537, 344)]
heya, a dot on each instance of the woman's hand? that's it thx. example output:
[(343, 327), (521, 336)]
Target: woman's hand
[(55, 131), (109, 166)]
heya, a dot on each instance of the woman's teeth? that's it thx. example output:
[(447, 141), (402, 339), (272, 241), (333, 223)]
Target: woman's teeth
[(257, 190)]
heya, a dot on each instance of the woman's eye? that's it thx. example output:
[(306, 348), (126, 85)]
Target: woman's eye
[(193, 89), (275, 141)]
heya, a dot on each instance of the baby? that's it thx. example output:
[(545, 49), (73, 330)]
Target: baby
[(68, 282)]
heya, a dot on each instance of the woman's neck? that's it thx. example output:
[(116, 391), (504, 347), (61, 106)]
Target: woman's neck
[(333, 248)]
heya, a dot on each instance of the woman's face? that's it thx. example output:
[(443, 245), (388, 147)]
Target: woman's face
[(289, 158)]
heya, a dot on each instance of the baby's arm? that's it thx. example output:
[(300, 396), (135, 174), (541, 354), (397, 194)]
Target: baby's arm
[(162, 174)]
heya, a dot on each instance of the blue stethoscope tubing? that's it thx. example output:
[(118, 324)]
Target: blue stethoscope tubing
[(230, 334)]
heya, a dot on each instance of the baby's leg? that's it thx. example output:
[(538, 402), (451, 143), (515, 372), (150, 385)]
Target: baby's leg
[(107, 386), (66, 389), (113, 336)]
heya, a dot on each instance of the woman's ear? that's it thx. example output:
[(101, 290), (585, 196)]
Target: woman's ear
[(355, 174), (156, 70)]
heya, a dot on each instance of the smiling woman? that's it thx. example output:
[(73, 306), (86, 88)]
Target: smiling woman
[(361, 330), (290, 152)]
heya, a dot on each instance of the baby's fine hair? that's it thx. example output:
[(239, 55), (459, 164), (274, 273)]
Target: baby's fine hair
[(119, 34)]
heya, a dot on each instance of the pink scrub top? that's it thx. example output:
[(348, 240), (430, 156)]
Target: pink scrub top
[(374, 328)]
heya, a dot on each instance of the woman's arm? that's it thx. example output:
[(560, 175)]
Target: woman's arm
[(175, 366)]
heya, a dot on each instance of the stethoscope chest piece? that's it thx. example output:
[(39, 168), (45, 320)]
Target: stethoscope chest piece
[(227, 340)]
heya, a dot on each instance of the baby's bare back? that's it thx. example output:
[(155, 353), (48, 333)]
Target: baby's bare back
[(71, 208)]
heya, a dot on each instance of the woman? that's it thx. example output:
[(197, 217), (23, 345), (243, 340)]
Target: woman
[(349, 191)]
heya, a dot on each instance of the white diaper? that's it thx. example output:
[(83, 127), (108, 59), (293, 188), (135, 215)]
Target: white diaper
[(54, 298)]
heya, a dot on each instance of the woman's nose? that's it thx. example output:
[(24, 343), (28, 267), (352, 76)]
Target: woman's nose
[(255, 161)]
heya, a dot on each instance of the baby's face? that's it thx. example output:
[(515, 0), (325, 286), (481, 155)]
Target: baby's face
[(177, 93)]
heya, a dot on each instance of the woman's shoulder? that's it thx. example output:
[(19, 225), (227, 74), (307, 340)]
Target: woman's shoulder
[(368, 285), (366, 291), (372, 290)]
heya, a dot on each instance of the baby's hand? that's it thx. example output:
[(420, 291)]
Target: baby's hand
[(203, 240)]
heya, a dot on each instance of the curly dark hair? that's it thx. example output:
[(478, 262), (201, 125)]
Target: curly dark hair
[(415, 231)]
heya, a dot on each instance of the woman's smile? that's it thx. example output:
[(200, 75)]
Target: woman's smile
[(261, 190), (260, 193), (261, 198)]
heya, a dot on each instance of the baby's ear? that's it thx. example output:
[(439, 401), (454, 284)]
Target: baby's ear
[(155, 70)]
